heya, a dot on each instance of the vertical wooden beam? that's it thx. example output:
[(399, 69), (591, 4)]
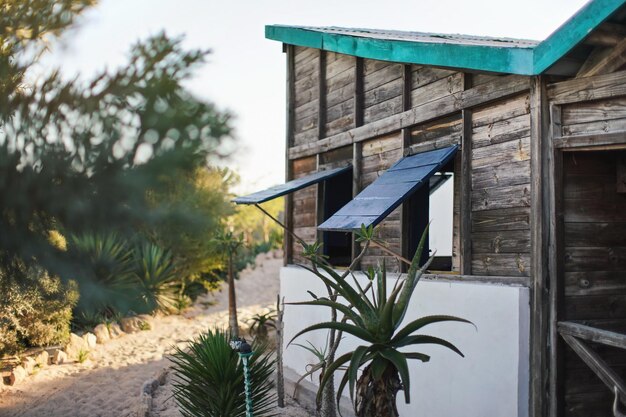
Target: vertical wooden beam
[(554, 171), (320, 203), (405, 232), (465, 224), (321, 110), (539, 213), (466, 194), (357, 147), (359, 93), (289, 130)]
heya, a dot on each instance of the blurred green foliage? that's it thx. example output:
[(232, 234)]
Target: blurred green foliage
[(127, 154)]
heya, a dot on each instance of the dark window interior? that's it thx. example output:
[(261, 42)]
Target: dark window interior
[(336, 194), (418, 210)]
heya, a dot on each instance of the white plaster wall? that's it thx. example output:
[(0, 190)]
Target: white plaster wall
[(492, 379)]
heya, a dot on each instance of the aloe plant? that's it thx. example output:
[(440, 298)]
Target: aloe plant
[(374, 316)]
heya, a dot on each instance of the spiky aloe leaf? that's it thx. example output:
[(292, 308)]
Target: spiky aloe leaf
[(421, 322), (430, 340), (399, 361), (416, 355), (328, 372), (332, 304), (353, 369), (344, 327)]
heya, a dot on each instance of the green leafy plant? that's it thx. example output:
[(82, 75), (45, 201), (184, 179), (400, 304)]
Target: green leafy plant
[(159, 286), (82, 356), (209, 379), (261, 323), (374, 316), (107, 281)]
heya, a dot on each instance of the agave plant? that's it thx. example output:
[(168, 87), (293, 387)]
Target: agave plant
[(159, 287), (374, 316), (209, 380), (108, 279)]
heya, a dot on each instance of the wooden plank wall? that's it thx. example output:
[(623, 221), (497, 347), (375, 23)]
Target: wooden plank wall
[(594, 260), (440, 133), (500, 148), (377, 156), (340, 88), (304, 207), (594, 270), (306, 78), (501, 188), (382, 87)]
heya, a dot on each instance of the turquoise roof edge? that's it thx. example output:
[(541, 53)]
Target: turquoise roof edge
[(513, 60), (570, 33)]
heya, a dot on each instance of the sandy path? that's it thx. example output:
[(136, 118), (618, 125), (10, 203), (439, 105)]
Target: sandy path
[(108, 383)]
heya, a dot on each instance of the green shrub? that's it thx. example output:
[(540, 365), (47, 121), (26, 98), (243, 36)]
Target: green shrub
[(35, 309), (159, 287), (208, 381), (107, 279)]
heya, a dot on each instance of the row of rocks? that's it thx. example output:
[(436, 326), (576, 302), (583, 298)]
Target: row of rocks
[(78, 347)]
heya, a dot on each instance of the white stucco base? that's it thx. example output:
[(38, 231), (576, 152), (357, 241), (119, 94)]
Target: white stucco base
[(492, 379)]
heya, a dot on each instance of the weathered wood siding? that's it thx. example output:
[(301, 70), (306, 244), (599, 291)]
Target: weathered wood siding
[(440, 133), (306, 100), (376, 157), (382, 86), (339, 93), (500, 192), (500, 157), (594, 266), (304, 207)]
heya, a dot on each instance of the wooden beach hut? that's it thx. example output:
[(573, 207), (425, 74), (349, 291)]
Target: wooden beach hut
[(526, 143)]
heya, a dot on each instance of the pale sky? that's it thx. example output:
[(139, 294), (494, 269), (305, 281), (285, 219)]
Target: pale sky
[(246, 72)]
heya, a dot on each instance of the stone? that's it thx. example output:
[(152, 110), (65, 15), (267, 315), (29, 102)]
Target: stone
[(90, 340), (136, 323), (42, 359), (147, 320), (18, 374), (75, 345), (115, 330), (29, 364), (102, 333), (59, 357)]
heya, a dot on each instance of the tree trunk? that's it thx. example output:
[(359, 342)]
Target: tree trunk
[(377, 398), (329, 407), (232, 300)]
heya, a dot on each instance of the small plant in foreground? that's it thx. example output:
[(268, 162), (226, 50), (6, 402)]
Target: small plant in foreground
[(83, 355), (261, 323), (209, 380)]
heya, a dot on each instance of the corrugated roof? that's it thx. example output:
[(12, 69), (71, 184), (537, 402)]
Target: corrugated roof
[(503, 55), (427, 37)]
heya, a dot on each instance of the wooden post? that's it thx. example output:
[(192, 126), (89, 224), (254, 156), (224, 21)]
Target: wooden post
[(406, 143), (287, 239), (357, 147), (465, 224), (539, 213), (554, 173), (321, 109)]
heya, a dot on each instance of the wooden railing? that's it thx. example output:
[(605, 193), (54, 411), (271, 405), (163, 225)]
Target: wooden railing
[(577, 335)]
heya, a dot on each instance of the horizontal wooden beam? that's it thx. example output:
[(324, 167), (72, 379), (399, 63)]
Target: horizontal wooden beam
[(587, 89), (592, 334), (480, 279), (610, 378), (604, 61), (502, 88), (591, 140)]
